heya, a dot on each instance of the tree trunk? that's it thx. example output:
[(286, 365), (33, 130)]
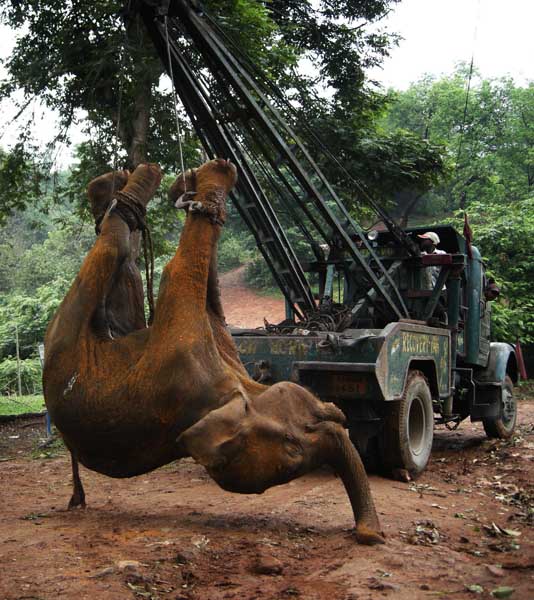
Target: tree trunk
[(406, 202), (138, 144), (405, 216), (135, 119)]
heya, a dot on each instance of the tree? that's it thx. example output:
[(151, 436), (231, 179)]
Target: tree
[(489, 141), (19, 179), (77, 59), (503, 233)]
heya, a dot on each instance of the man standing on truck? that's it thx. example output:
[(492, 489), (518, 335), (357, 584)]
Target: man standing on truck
[(429, 246)]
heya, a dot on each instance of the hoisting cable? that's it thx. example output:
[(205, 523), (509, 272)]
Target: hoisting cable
[(119, 101), (175, 101), (125, 199), (468, 89), (464, 119)]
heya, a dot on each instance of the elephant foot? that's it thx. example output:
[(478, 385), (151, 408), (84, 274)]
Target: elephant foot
[(367, 536), (77, 500), (78, 493), (101, 190)]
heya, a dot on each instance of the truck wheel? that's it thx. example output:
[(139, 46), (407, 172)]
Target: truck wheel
[(504, 426), (406, 440)]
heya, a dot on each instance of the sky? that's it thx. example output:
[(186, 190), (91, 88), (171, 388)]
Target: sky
[(440, 33), (437, 34)]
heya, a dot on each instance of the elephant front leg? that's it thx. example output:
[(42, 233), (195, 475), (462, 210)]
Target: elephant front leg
[(78, 493), (182, 321), (82, 306)]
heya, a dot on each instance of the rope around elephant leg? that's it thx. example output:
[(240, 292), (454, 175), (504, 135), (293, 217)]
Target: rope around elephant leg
[(134, 214), (148, 253)]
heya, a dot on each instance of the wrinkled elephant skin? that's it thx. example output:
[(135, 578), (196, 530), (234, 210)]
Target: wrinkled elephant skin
[(128, 398)]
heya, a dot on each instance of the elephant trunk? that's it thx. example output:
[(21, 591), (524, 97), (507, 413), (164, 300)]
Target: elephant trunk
[(347, 463)]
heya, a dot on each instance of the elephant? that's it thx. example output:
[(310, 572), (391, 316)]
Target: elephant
[(128, 398)]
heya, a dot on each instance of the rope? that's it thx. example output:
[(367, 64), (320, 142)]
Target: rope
[(175, 102), (134, 213), (148, 253)]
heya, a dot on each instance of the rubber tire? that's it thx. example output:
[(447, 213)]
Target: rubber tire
[(396, 450), (497, 428)]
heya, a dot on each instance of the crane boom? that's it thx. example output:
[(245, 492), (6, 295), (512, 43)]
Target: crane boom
[(235, 117)]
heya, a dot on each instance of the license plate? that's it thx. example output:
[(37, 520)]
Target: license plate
[(347, 385)]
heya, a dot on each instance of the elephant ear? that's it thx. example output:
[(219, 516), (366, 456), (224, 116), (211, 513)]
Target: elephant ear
[(182, 184), (217, 436)]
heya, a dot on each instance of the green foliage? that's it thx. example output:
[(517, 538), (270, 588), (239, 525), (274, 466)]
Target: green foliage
[(232, 251), (32, 314), (490, 155), (386, 163), (19, 180), (503, 233), (40, 256), (258, 275), (30, 372)]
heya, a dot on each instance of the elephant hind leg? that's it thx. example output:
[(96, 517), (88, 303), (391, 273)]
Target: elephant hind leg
[(78, 493)]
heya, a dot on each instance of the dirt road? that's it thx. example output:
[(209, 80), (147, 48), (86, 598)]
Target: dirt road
[(245, 308), (187, 539)]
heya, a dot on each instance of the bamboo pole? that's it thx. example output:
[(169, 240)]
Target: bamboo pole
[(19, 380)]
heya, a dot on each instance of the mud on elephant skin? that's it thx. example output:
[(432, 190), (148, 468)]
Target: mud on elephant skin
[(128, 398)]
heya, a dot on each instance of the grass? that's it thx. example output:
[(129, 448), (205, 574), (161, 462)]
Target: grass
[(17, 405), (50, 448)]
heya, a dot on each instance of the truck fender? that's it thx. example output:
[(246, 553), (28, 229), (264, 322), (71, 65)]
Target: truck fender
[(502, 361), (429, 370)]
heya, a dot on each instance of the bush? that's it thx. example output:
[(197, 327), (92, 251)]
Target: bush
[(258, 275), (232, 253), (32, 315), (30, 372), (503, 234)]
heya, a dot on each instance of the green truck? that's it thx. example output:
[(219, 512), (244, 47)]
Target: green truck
[(395, 380)]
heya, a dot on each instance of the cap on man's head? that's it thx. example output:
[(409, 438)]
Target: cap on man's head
[(432, 236)]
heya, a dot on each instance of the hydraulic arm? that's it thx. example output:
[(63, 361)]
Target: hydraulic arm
[(236, 115)]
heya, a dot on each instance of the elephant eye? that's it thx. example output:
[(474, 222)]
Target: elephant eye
[(292, 445)]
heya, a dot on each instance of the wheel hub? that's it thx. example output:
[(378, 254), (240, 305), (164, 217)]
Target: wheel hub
[(417, 426)]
